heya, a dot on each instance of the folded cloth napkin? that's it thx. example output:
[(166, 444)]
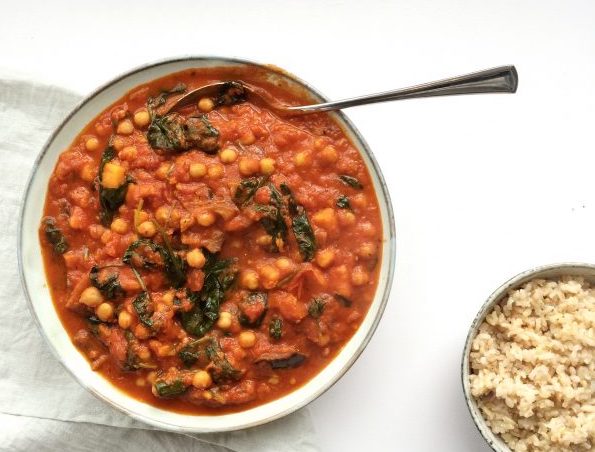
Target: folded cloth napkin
[(41, 407)]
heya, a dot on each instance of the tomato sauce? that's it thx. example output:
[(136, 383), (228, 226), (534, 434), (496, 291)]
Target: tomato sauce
[(212, 259)]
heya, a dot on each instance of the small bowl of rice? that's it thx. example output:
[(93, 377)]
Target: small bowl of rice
[(528, 365)]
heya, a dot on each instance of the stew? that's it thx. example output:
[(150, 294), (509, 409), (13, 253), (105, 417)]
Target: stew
[(215, 258)]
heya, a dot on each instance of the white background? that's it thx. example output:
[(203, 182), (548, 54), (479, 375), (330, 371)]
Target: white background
[(483, 187)]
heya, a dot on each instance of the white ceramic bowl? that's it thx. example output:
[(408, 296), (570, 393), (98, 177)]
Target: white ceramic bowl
[(552, 271), (36, 290)]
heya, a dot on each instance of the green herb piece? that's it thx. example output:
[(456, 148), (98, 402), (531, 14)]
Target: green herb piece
[(293, 361), (219, 275), (139, 254), (162, 97), (54, 235), (175, 266), (176, 133), (346, 302), (110, 199), (300, 224), (276, 328), (247, 189), (351, 181), (190, 353), (253, 309), (221, 369), (110, 287), (169, 390), (132, 361), (316, 307), (343, 202), (141, 306), (231, 93)]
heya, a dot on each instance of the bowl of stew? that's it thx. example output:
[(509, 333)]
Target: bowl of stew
[(211, 268)]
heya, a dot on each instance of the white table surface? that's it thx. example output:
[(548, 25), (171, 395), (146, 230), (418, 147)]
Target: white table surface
[(483, 187)]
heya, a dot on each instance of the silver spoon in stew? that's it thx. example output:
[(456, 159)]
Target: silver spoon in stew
[(503, 79)]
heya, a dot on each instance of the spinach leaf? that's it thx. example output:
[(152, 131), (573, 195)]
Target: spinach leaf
[(190, 353), (176, 133), (247, 189), (138, 254), (132, 361), (110, 287), (316, 307), (253, 309), (54, 235), (110, 199), (141, 306), (221, 369), (219, 275), (351, 181), (169, 390), (294, 360), (273, 223), (231, 93), (304, 235), (276, 328), (343, 202), (346, 302), (300, 224), (161, 98)]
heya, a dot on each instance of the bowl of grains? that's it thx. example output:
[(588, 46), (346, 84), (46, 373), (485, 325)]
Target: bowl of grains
[(528, 365)]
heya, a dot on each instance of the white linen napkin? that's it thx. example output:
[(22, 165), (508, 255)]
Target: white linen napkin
[(41, 407)]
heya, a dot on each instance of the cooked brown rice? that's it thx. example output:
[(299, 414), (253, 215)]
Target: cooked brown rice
[(533, 367)]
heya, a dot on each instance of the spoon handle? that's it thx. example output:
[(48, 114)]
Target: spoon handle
[(502, 79)]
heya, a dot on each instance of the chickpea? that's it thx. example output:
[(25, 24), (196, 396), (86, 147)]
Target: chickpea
[(119, 226), (197, 170), (248, 166), (144, 353), (228, 155), (302, 159), (359, 200), (91, 297), (202, 379), (92, 144), (328, 155), (224, 321), (247, 138), (106, 237), (125, 127), (162, 214), (186, 223), (346, 218), (141, 331), (104, 311), (168, 298), (124, 320), (140, 382), (247, 339), (118, 143), (320, 143), (249, 279), (113, 175), (284, 264), (205, 218), (326, 218), (359, 276), (325, 257), (206, 104), (215, 171), (152, 376), (367, 228), (195, 258), (267, 166), (128, 153), (366, 250), (88, 173), (163, 171), (147, 229), (142, 118), (270, 276), (264, 240)]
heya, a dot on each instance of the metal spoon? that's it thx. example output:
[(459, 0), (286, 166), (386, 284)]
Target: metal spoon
[(502, 79)]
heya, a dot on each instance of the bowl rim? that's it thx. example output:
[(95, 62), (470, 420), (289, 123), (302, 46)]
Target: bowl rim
[(390, 247), (547, 271)]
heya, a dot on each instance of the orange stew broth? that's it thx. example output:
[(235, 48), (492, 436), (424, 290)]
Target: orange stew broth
[(320, 302)]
